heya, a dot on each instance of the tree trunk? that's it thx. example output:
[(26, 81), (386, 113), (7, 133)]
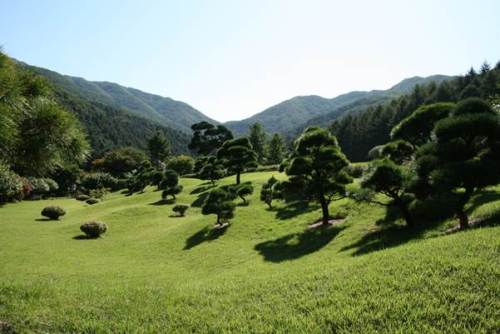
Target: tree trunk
[(218, 220), (462, 216), (237, 177), (463, 219), (324, 209), (404, 211)]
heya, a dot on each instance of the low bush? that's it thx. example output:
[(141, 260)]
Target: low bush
[(98, 193), (92, 201), (267, 168), (180, 209), (93, 229), (82, 197), (53, 212), (39, 187), (11, 185), (91, 181)]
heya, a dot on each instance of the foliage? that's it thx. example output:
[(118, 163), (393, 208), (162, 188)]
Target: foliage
[(237, 155), (92, 201), (276, 150), (170, 184), (317, 169), (219, 202), (182, 164), (399, 151), (11, 185), (92, 181), (180, 209), (98, 193), (243, 190), (94, 229), (212, 169), (207, 138), (465, 153), (120, 161), (270, 191), (53, 212), (257, 137), (82, 197), (158, 147)]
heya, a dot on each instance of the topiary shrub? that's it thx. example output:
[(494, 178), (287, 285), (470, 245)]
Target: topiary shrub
[(39, 187), (180, 209), (82, 197), (53, 212), (93, 229), (92, 201)]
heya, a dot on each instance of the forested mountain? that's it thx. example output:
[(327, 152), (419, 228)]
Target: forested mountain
[(291, 116), (359, 132), (109, 127), (166, 111)]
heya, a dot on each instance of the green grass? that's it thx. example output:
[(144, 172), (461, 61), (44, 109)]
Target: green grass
[(154, 273)]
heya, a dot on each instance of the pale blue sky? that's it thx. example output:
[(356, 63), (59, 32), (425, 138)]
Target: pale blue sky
[(231, 59)]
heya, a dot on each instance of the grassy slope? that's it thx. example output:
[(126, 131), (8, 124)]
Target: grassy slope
[(155, 273)]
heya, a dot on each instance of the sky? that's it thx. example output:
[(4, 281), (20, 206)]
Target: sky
[(232, 59)]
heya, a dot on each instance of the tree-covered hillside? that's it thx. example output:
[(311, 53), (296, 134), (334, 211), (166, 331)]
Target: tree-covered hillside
[(166, 111), (290, 117), (359, 132)]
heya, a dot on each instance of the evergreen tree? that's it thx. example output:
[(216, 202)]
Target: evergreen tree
[(207, 138), (257, 138), (158, 147), (219, 202), (270, 191), (316, 169), (170, 184), (237, 155), (276, 150), (212, 169)]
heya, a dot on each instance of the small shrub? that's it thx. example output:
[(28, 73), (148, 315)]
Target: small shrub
[(98, 193), (92, 181), (93, 229), (245, 189), (92, 201), (180, 209), (266, 168), (82, 197), (11, 185), (39, 187), (53, 212)]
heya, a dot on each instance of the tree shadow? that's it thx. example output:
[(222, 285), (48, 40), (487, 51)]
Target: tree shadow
[(198, 202), (46, 220), (389, 234), (296, 245), (482, 198), (84, 237), (202, 188), (163, 202), (203, 235), (294, 209)]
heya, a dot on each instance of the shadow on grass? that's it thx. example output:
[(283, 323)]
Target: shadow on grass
[(202, 188), (46, 220), (482, 198), (389, 234), (198, 202), (84, 237), (203, 235), (163, 202), (296, 245), (294, 209)]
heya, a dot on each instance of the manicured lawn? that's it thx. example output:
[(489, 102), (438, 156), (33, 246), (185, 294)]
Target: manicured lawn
[(265, 273)]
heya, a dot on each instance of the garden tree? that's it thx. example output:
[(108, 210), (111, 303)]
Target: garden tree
[(49, 137), (237, 154), (399, 151), (11, 184), (276, 149), (464, 155), (182, 164), (158, 147), (317, 169), (386, 177), (170, 184), (207, 138), (417, 127), (243, 190), (121, 161), (270, 191), (212, 169), (143, 176), (257, 138), (219, 202)]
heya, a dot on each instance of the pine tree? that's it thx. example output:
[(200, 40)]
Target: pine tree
[(276, 150), (158, 147), (257, 138), (237, 155)]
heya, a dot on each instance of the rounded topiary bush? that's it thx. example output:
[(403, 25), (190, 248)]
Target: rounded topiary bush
[(82, 197), (53, 212), (92, 201), (180, 209), (93, 229)]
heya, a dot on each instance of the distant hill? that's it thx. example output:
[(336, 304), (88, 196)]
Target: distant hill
[(291, 116), (163, 110)]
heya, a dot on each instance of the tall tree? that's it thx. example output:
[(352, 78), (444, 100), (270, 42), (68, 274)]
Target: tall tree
[(316, 169), (464, 155), (207, 138), (257, 138), (237, 155), (158, 147), (276, 149)]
